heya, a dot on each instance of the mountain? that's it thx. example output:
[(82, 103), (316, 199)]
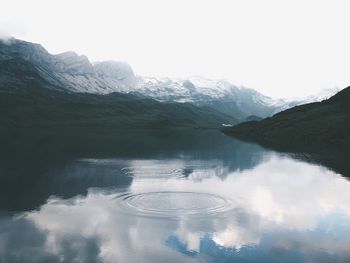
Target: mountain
[(66, 71), (252, 118), (320, 125), (218, 94), (75, 73), (71, 72), (39, 110), (320, 96), (39, 91), (239, 102)]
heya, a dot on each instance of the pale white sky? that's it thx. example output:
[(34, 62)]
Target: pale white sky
[(281, 48)]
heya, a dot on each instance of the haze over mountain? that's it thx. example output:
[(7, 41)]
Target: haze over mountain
[(66, 93), (282, 49), (71, 72)]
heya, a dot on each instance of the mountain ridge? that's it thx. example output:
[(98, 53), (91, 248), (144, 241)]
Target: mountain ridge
[(309, 127), (75, 73), (36, 95), (71, 72)]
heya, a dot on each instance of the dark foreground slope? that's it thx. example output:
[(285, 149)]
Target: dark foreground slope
[(311, 127), (48, 120)]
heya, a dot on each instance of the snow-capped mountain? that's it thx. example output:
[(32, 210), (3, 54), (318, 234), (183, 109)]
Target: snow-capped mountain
[(68, 70), (19, 60), (320, 96), (220, 94)]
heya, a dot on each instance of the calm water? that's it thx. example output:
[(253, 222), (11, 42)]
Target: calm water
[(200, 197)]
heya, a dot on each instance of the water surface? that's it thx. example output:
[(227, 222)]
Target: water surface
[(180, 197)]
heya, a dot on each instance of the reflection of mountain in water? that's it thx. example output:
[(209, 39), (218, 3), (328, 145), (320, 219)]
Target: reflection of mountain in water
[(29, 174), (27, 184)]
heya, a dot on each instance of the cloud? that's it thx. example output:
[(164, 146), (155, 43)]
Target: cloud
[(291, 49), (9, 30), (5, 36)]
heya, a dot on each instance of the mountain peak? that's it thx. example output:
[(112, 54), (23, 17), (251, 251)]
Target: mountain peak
[(73, 72), (68, 70), (117, 70), (19, 48), (73, 63)]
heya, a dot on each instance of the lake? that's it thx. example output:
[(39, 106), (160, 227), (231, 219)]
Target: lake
[(171, 197)]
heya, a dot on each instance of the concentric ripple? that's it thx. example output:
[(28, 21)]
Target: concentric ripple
[(148, 172), (174, 204)]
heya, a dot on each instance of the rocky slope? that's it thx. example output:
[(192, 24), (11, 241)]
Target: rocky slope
[(67, 71)]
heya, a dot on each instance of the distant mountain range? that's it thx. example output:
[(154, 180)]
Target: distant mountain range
[(221, 95), (311, 127), (24, 64)]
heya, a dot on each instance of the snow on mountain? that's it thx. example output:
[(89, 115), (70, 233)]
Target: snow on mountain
[(190, 89), (73, 72), (219, 94), (69, 70), (116, 70), (322, 95), (284, 104)]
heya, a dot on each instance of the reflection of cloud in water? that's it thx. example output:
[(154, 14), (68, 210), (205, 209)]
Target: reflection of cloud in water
[(22, 241), (293, 198), (280, 205), (241, 230)]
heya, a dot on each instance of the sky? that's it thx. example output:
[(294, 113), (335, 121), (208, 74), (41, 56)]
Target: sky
[(280, 48)]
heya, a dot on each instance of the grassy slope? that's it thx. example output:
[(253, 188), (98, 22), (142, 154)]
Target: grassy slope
[(311, 126)]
